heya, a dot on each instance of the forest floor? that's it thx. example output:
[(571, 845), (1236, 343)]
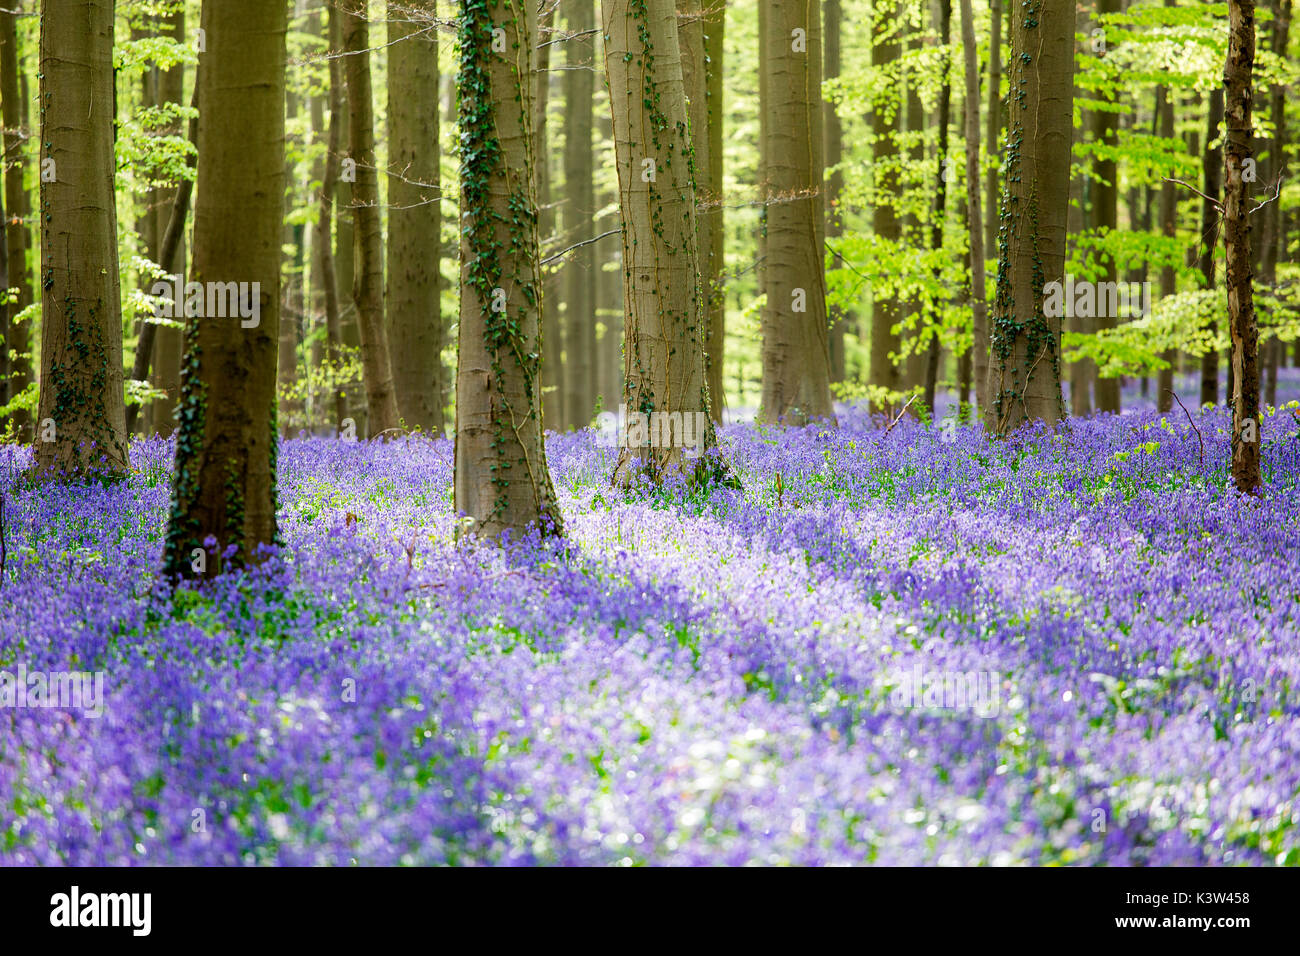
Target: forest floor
[(1101, 637)]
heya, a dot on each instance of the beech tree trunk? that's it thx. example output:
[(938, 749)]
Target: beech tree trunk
[(796, 373), (1025, 343), (169, 343), (1104, 210), (414, 217), (994, 123), (325, 221), (18, 206), (579, 269), (368, 277), (1274, 239), (839, 318), (502, 482), (975, 218), (81, 427), (224, 483), (553, 410), (1168, 210), (700, 35), (884, 373), (664, 333), (1243, 330), (941, 195), (1212, 172)]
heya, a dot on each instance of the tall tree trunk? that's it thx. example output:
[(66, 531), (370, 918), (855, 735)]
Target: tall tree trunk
[(414, 218), (291, 286), (1104, 211), (146, 221), (609, 282), (1025, 342), (913, 181), (18, 205), (884, 373), (664, 337), (1274, 239), (979, 306), (1242, 328), (345, 258), (941, 193), (834, 137), (169, 343), (224, 486), (1212, 173), (700, 37), (553, 410), (1168, 211), (368, 277), (502, 480), (796, 374), (994, 121), (325, 217), (715, 286), (82, 421), (579, 216)]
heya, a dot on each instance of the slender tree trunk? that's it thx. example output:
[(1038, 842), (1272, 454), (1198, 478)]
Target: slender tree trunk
[(1274, 236), (354, 405), (82, 421), (834, 136), (796, 375), (368, 277), (502, 480), (414, 218), (224, 485), (579, 216), (1104, 211), (700, 36), (146, 222), (975, 218), (553, 377), (18, 205), (1025, 342), (169, 343), (325, 218), (715, 286), (884, 373), (912, 179), (941, 193), (1168, 211), (664, 336), (995, 120), (1212, 172), (291, 286), (609, 282), (1238, 90)]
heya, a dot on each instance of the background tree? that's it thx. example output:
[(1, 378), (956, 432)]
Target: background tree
[(502, 480), (223, 486), (1238, 89), (414, 216), (18, 206), (368, 275), (1024, 342), (579, 207), (796, 374), (664, 335), (82, 419)]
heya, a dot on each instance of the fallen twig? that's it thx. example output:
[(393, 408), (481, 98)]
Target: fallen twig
[(1190, 422), (901, 413)]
